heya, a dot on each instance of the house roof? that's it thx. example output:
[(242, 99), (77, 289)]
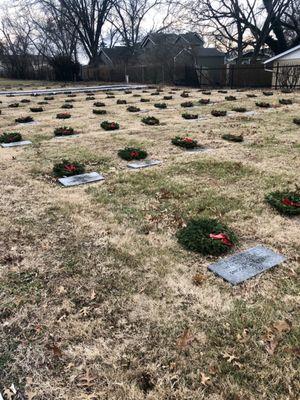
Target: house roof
[(278, 56), (191, 38), (117, 53)]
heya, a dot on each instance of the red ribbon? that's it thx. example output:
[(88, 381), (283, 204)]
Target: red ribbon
[(290, 203), (223, 237), (134, 154), (70, 168)]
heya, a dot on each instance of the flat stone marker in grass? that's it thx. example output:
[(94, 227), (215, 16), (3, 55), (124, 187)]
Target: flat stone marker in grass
[(197, 150), (242, 266), (81, 179), (64, 137), (143, 164), (16, 144)]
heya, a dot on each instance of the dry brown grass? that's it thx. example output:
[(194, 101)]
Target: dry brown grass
[(97, 298)]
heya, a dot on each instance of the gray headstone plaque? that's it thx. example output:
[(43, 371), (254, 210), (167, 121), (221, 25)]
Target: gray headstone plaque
[(66, 136), (81, 179), (242, 266), (143, 164), (16, 144), (197, 150)]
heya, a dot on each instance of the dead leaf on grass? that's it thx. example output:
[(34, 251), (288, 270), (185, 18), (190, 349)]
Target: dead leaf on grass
[(185, 340), (282, 326), (198, 279), (205, 380)]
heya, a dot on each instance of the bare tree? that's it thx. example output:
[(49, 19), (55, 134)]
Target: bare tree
[(87, 17), (240, 24)]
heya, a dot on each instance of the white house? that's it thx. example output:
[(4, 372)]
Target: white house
[(285, 68)]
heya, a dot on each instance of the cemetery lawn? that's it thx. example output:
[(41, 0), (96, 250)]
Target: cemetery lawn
[(97, 298)]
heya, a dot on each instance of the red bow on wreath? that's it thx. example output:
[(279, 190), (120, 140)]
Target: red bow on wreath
[(70, 168), (290, 203), (134, 154), (223, 237)]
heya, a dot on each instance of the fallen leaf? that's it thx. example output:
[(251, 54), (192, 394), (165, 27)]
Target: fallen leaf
[(229, 357), (93, 295), (205, 380), (56, 350), (282, 326), (198, 279), (243, 337), (185, 339), (271, 346), (86, 380)]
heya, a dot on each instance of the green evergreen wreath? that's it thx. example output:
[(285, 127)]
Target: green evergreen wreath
[(285, 102), (160, 105), (133, 109), (132, 153), (189, 116), (239, 109), (64, 131), (204, 102), (109, 126), (10, 137), (68, 168), (36, 109), (121, 101), (233, 138), (24, 120), (99, 112), (218, 113), (99, 104), (230, 98), (187, 104), (263, 104), (63, 116), (67, 106), (296, 121), (150, 121), (184, 142), (285, 202), (197, 236)]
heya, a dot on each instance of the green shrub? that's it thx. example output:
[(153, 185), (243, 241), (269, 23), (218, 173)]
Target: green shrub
[(184, 142), (285, 202), (109, 126), (233, 138), (150, 121), (189, 116), (196, 236), (132, 153), (10, 137), (68, 168)]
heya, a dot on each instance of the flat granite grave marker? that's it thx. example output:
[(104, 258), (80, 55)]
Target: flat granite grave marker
[(242, 266), (197, 150), (143, 164), (15, 144), (81, 179)]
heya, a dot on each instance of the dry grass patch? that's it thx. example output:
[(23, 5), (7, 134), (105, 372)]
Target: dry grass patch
[(97, 299)]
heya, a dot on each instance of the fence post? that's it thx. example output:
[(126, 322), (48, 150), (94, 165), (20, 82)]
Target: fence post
[(277, 71)]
